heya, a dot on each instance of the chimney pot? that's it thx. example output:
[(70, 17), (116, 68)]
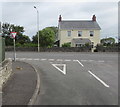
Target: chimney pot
[(94, 18), (60, 18)]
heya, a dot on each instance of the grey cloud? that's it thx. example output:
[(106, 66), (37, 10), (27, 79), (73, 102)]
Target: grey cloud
[(25, 15)]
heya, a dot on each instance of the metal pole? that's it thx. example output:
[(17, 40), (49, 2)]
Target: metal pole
[(38, 29), (0, 28), (14, 50)]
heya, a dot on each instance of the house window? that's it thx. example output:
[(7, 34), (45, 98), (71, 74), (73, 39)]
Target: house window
[(79, 33), (78, 45), (92, 44), (69, 33), (91, 33)]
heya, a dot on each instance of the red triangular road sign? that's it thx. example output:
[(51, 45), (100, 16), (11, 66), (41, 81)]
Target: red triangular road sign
[(13, 34)]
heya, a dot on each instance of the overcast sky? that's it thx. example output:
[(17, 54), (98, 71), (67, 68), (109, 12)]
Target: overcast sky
[(23, 14)]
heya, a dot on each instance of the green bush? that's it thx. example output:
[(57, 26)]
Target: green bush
[(18, 45), (29, 45), (26, 45), (66, 44)]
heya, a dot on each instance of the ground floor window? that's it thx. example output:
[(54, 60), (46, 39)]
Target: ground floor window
[(78, 45)]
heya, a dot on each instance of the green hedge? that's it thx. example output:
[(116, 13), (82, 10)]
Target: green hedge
[(26, 45)]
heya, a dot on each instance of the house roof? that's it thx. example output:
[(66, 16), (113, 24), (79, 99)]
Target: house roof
[(81, 40), (79, 25)]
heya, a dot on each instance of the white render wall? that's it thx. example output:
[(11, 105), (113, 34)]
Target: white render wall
[(63, 36)]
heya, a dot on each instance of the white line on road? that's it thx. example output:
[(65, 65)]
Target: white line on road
[(57, 67), (99, 79), (19, 58), (43, 59), (36, 59), (23, 58), (9, 58), (90, 60), (67, 60), (29, 59), (74, 60), (51, 59), (79, 62)]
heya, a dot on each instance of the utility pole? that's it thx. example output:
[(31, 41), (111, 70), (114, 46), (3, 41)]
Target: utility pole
[(38, 27)]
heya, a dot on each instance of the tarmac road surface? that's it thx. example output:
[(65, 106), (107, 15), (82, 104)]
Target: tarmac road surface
[(74, 78)]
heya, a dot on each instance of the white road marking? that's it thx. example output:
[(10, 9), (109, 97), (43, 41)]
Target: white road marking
[(51, 59), (29, 59), (74, 60), (21, 58), (36, 59), (63, 65), (67, 60), (90, 60), (59, 60), (79, 62), (99, 79), (43, 59), (9, 58)]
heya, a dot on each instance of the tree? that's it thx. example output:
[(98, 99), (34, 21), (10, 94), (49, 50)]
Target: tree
[(6, 28), (107, 41), (46, 37), (55, 30), (20, 38)]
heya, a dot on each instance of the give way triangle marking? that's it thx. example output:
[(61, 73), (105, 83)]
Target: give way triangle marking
[(58, 67)]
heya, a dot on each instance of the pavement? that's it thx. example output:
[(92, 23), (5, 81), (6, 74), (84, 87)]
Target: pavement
[(20, 88)]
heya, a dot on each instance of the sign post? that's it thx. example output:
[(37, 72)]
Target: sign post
[(13, 34)]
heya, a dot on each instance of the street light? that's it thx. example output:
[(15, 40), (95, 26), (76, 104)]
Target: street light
[(38, 26)]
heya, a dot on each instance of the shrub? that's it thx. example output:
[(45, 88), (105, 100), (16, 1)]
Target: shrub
[(26, 45), (66, 44), (18, 45)]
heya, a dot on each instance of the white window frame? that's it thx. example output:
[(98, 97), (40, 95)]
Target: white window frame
[(69, 33), (79, 32), (91, 33)]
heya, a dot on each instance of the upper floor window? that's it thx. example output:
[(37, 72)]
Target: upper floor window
[(69, 33), (79, 33), (91, 33)]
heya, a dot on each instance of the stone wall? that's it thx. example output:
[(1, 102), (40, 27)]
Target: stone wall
[(107, 49), (54, 49), (5, 71)]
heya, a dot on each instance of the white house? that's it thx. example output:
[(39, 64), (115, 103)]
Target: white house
[(78, 32)]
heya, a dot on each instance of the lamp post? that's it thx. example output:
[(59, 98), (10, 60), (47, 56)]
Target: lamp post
[(38, 27)]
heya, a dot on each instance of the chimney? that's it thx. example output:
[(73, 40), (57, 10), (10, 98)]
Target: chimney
[(60, 18), (94, 18)]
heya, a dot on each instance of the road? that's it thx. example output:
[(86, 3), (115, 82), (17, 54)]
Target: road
[(74, 78)]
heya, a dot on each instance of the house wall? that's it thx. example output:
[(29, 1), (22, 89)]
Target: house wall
[(63, 36)]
